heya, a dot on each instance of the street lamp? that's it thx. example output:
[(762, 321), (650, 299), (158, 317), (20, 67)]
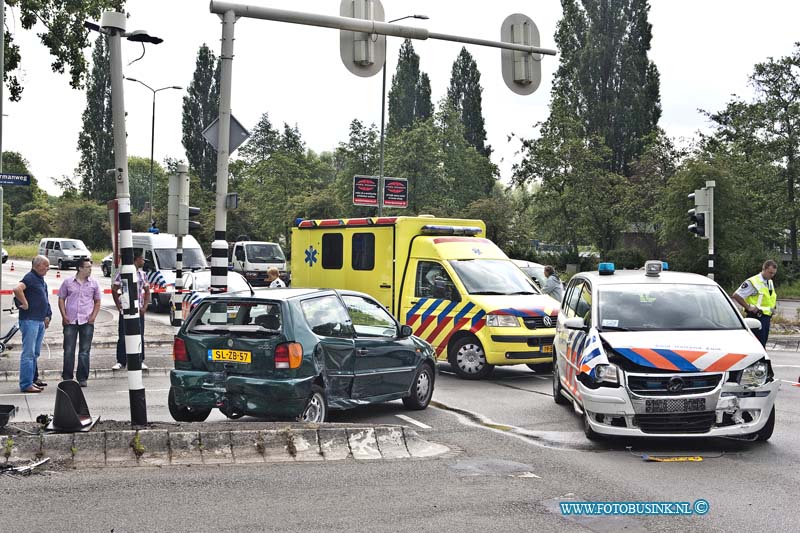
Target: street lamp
[(383, 114), (153, 136)]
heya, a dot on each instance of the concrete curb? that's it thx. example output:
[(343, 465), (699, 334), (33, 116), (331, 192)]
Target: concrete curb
[(161, 447)]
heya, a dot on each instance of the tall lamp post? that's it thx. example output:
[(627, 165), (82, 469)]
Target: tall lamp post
[(153, 136), (383, 115)]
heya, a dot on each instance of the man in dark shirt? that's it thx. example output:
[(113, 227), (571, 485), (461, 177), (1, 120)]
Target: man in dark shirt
[(34, 318)]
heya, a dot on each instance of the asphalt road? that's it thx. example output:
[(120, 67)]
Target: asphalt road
[(516, 456)]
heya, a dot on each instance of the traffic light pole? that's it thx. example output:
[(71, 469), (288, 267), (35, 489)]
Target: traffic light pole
[(114, 24), (219, 247), (710, 227)]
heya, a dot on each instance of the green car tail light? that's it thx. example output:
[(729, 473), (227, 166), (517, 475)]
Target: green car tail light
[(179, 350), (288, 355)]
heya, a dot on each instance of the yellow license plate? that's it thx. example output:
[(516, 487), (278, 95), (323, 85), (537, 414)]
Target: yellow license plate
[(229, 356), (547, 348)]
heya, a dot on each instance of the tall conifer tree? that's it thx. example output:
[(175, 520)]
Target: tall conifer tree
[(410, 94), (96, 139), (200, 108), (464, 95)]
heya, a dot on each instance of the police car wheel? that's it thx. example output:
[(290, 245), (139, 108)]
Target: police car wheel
[(591, 434), (182, 413), (766, 432), (558, 397), (468, 359)]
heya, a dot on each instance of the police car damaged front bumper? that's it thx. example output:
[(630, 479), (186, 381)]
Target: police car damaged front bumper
[(724, 408)]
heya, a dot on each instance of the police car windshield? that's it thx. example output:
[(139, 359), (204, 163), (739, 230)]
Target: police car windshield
[(492, 276), (667, 307), (192, 258), (264, 253)]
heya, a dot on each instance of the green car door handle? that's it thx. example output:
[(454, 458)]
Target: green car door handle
[(362, 352)]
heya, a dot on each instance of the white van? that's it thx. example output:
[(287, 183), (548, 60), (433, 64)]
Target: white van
[(160, 252), (64, 252), (252, 259)]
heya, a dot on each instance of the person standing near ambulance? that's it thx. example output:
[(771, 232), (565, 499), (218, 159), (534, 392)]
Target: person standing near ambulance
[(758, 297)]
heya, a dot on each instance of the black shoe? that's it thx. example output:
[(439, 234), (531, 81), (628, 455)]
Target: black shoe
[(40, 383), (82, 383)]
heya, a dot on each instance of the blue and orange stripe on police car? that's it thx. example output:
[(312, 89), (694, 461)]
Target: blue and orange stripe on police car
[(682, 360)]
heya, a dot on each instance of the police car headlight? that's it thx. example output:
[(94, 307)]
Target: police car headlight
[(502, 321), (606, 374), (755, 375)]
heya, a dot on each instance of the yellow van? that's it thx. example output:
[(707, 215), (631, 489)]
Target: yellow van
[(456, 289)]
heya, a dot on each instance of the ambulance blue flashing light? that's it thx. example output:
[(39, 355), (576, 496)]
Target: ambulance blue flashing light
[(605, 269)]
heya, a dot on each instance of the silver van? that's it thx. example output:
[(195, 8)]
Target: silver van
[(64, 252)]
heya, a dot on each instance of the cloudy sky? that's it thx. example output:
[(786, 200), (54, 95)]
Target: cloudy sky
[(704, 51)]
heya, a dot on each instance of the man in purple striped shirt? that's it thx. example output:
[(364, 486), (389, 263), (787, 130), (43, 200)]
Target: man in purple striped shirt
[(79, 303)]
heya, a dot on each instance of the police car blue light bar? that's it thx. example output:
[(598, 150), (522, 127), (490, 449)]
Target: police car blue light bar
[(605, 269)]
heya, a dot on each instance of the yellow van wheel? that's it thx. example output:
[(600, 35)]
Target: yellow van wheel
[(468, 359)]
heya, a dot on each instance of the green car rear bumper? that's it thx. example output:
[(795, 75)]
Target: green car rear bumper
[(285, 397)]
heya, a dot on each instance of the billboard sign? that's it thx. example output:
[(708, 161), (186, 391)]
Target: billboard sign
[(395, 192), (365, 190)]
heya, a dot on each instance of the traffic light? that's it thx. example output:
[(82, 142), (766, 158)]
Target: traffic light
[(698, 223), (697, 216), (185, 225)]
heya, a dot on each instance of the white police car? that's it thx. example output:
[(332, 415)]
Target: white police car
[(651, 353)]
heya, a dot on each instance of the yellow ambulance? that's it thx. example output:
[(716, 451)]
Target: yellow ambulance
[(455, 288)]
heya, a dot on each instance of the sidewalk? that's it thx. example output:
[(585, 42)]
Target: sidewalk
[(158, 347)]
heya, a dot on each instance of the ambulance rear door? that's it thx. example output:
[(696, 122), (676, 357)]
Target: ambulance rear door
[(370, 252)]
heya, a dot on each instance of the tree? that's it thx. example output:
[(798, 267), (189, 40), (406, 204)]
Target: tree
[(360, 155), (605, 78), (64, 35), (21, 198), (769, 127), (472, 173), (410, 94), (139, 181), (464, 94), (96, 138), (264, 140), (200, 108), (604, 111)]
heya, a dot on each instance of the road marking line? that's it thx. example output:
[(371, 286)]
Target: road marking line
[(785, 366), (795, 383), (412, 421)]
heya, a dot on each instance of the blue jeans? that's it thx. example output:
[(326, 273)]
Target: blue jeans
[(122, 356), (762, 334), (32, 335), (71, 334)]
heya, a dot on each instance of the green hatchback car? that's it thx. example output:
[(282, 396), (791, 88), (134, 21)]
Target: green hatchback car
[(295, 354)]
